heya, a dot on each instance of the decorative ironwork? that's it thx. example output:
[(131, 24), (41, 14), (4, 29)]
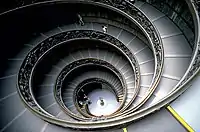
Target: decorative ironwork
[(194, 68), (27, 68), (94, 80), (76, 64), (145, 24), (195, 63), (137, 15), (197, 5)]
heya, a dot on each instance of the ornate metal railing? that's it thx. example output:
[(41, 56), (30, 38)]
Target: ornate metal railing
[(135, 15), (197, 5), (139, 18), (35, 55), (78, 64), (41, 49), (79, 87), (179, 13)]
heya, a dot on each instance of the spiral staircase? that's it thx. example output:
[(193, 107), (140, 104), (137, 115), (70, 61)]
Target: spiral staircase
[(98, 65)]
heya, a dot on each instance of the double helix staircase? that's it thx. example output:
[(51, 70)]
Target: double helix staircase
[(94, 64)]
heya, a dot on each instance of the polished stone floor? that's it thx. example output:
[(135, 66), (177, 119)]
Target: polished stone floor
[(104, 102)]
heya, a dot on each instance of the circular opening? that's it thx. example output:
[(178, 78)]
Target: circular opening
[(99, 99)]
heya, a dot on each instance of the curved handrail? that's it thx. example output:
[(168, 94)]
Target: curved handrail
[(192, 70), (75, 65), (150, 33)]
